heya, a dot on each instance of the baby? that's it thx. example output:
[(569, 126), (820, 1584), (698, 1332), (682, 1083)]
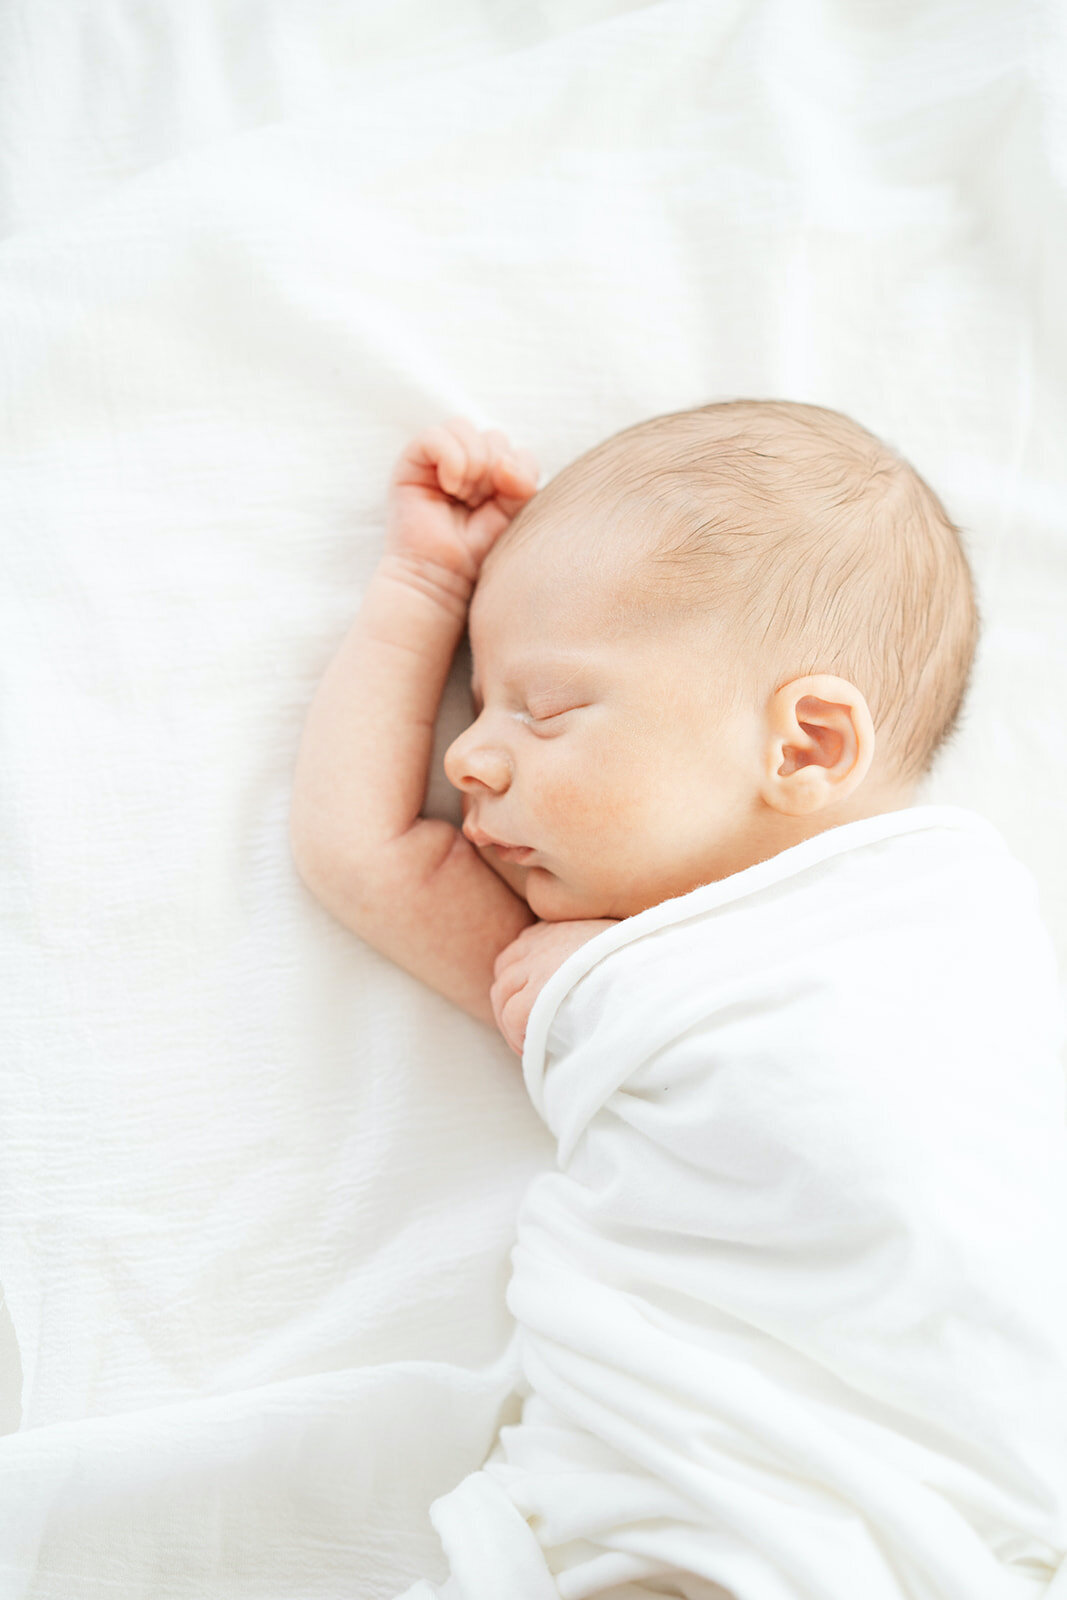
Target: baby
[(792, 1312)]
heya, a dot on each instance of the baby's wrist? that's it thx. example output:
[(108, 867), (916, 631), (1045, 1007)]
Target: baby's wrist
[(444, 587)]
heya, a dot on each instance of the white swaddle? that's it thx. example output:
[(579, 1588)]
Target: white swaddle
[(792, 1311)]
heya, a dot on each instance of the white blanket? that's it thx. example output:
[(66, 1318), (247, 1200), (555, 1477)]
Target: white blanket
[(793, 1308), (258, 1186)]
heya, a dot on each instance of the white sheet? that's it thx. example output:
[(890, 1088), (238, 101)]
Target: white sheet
[(258, 1187), (792, 1309)]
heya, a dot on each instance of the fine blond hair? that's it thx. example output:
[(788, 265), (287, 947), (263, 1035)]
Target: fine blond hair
[(814, 545)]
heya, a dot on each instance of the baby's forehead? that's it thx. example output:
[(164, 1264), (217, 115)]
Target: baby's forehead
[(600, 629), (542, 609), (581, 555)]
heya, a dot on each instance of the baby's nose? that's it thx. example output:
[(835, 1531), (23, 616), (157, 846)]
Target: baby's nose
[(471, 764)]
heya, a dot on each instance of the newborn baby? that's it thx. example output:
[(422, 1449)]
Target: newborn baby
[(792, 1311)]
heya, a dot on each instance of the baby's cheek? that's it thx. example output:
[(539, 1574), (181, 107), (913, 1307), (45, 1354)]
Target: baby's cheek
[(593, 805)]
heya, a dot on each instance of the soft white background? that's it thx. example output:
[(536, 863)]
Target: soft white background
[(257, 1185)]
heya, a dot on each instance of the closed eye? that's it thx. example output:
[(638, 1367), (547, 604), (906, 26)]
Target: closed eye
[(531, 716), (554, 715)]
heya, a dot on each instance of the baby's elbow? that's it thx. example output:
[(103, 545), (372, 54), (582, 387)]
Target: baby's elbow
[(314, 854)]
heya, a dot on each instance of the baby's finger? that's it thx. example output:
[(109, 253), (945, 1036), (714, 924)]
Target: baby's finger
[(510, 953), (438, 457), (528, 462), (505, 989), (511, 469), (517, 951), (500, 450), (477, 452), (512, 1021), (512, 480), (515, 1034)]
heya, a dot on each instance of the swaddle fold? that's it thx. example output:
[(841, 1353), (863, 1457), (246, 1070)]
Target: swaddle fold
[(793, 1306)]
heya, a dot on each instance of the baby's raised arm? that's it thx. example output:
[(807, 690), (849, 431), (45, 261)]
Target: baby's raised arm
[(412, 886)]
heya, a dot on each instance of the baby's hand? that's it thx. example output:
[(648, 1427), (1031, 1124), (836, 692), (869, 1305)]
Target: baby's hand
[(452, 493), (523, 967)]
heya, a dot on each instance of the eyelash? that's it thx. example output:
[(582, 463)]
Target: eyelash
[(551, 718)]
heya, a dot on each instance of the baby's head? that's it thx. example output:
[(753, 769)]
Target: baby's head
[(713, 635)]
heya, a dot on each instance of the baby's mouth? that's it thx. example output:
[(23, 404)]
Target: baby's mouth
[(485, 841)]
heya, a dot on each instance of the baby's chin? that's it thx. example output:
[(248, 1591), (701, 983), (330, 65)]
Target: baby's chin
[(549, 898)]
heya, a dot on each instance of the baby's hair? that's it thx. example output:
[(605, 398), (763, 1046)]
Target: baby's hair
[(816, 546)]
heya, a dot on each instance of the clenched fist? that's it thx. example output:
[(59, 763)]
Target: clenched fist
[(523, 967), (452, 493)]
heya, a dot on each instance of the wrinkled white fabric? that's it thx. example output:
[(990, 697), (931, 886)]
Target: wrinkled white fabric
[(258, 1186), (793, 1308)]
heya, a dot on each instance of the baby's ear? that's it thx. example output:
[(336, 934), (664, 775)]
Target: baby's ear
[(819, 746)]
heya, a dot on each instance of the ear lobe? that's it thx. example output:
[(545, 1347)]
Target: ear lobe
[(820, 746)]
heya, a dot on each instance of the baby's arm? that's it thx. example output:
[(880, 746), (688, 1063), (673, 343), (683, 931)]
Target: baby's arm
[(412, 886)]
